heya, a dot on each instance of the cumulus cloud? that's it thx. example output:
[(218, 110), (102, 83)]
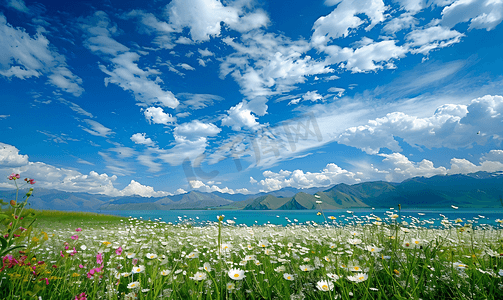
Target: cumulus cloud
[(266, 64), (139, 138), (205, 52), (157, 115), (23, 56), (371, 56), (240, 116), (191, 140), (195, 130), (485, 14), (136, 188), (208, 188), (344, 18), (69, 180), (204, 17), (10, 157), (451, 126), (331, 174), (394, 167), (50, 177)]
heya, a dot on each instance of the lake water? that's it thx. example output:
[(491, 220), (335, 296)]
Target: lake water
[(284, 217)]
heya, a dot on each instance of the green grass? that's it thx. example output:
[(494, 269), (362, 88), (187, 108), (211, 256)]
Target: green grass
[(46, 218)]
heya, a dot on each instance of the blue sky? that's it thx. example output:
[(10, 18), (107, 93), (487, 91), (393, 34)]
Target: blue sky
[(163, 97)]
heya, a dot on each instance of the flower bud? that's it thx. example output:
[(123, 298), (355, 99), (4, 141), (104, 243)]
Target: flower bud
[(13, 202)]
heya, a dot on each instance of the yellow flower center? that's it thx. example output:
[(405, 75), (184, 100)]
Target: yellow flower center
[(361, 277), (236, 275), (357, 268), (325, 287)]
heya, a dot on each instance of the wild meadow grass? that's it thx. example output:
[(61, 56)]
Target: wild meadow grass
[(79, 256), (128, 258)]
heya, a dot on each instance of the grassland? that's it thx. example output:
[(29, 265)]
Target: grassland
[(90, 256)]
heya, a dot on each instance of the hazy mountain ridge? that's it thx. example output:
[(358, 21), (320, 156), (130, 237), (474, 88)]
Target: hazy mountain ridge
[(476, 190)]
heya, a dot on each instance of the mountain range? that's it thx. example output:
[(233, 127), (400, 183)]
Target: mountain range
[(476, 190)]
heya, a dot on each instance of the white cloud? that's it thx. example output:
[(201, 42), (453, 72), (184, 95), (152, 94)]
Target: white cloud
[(201, 62), (100, 31), (483, 14), (394, 167), (126, 74), (149, 24), (344, 18), (184, 149), (312, 96), (18, 5), (123, 69), (76, 108), (202, 187), (10, 157), (332, 174), (240, 116), (195, 130), (136, 188), (84, 162), (412, 6), (50, 177), (97, 129), (400, 167), (402, 22), (425, 40), (370, 57), (157, 116), (139, 138), (23, 57), (451, 126), (338, 91), (4, 116), (191, 140), (204, 17), (205, 52), (187, 67), (266, 64), (197, 101)]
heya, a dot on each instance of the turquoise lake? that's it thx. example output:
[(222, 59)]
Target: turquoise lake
[(282, 217)]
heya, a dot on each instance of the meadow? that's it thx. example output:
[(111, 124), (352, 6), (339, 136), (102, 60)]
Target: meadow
[(89, 256)]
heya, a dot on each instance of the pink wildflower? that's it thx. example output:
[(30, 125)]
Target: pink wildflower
[(118, 251), (99, 258), (75, 237), (78, 229), (14, 176)]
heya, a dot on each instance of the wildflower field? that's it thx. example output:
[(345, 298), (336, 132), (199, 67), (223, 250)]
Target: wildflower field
[(87, 256)]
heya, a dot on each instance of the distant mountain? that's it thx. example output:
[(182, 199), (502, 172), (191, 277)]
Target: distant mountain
[(58, 200), (476, 190), (191, 200)]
